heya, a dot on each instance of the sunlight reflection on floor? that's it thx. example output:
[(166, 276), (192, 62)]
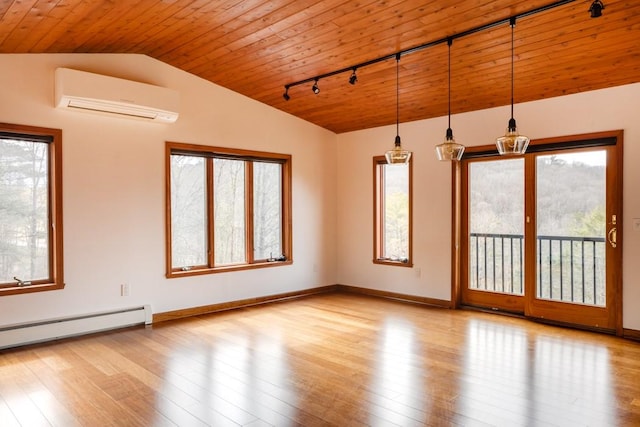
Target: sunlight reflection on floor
[(511, 378), (233, 382)]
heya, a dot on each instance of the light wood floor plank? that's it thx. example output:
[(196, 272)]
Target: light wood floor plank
[(6, 415)]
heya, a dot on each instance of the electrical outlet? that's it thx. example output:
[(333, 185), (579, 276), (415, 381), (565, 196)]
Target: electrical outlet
[(124, 290), (636, 224), (418, 272)]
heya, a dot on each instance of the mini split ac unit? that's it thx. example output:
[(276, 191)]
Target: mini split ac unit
[(94, 92)]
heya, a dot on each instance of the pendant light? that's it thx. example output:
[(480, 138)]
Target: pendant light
[(397, 155), (512, 143), (449, 149)]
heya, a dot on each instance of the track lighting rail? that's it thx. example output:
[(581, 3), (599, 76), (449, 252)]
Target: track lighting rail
[(418, 48)]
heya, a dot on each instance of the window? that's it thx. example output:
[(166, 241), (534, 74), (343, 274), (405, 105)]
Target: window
[(227, 209), (392, 213), (30, 209)]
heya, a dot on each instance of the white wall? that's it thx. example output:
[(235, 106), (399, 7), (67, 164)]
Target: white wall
[(113, 189), (602, 110)]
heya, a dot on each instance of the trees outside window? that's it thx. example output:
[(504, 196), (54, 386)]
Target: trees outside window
[(267, 213), (30, 209), (188, 203), (392, 213), (230, 218), (228, 209)]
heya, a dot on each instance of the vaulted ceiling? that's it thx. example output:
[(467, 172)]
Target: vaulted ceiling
[(256, 47)]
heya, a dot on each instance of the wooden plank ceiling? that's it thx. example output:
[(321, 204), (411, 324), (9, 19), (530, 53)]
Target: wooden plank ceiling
[(255, 47)]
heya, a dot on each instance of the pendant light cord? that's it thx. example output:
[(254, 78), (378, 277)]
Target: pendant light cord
[(449, 43), (513, 25), (398, 94)]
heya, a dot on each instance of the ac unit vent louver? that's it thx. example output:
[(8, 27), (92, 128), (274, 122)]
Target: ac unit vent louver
[(80, 90)]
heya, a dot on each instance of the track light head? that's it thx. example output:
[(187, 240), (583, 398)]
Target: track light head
[(315, 87), (285, 95), (596, 9), (353, 79)]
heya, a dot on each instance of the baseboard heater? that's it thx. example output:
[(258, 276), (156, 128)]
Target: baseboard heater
[(52, 329)]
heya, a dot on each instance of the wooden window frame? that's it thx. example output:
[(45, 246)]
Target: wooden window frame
[(56, 265), (378, 205), (249, 156)]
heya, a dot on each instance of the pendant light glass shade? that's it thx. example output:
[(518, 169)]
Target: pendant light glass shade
[(397, 155), (512, 143), (449, 149)]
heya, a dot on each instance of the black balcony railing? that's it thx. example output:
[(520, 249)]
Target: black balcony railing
[(496, 261), (570, 269)]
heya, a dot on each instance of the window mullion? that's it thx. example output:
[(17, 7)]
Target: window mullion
[(210, 215), (55, 185), (376, 209), (381, 212), (410, 213), (249, 235), (283, 206), (51, 211)]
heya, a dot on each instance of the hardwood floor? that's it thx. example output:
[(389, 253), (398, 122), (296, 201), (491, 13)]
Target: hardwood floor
[(334, 359)]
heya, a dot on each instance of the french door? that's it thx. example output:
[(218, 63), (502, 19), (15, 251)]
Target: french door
[(539, 233)]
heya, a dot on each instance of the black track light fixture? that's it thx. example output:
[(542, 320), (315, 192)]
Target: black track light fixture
[(354, 78), (285, 95), (596, 9)]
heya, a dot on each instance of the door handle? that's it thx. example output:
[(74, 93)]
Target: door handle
[(612, 236)]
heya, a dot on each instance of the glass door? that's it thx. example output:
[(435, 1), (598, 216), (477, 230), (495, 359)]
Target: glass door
[(495, 243), (575, 238), (539, 233)]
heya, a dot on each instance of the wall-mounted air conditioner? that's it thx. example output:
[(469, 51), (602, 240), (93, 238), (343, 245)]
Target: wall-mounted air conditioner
[(80, 90)]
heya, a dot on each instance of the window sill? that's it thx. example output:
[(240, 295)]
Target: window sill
[(393, 263), (40, 287), (196, 271)]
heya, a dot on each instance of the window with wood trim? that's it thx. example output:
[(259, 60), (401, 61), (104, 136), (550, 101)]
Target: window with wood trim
[(392, 200), (30, 209), (227, 209)]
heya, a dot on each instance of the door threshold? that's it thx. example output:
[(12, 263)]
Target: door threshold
[(494, 310), (548, 322)]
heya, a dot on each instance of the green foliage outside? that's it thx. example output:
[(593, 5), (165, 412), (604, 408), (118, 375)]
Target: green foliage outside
[(396, 212), (397, 225)]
